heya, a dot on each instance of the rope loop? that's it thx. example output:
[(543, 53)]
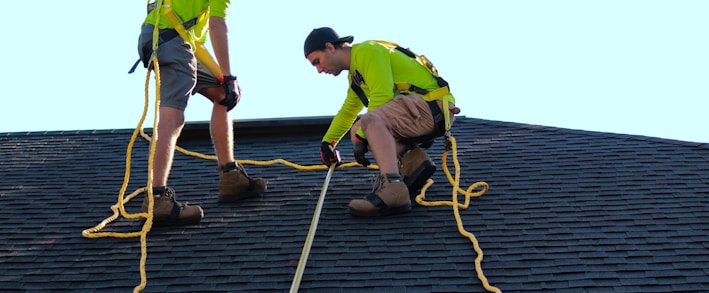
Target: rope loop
[(119, 207), (482, 188)]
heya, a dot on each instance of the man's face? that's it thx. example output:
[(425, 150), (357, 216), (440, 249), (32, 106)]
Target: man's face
[(327, 60)]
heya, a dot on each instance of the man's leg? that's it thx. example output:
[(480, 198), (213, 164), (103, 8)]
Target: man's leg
[(381, 143), (390, 195), (411, 118), (234, 183), (220, 126), (166, 209), (176, 82), (170, 122), (416, 167)]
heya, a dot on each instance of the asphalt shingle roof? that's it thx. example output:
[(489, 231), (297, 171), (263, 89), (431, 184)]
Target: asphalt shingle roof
[(567, 211)]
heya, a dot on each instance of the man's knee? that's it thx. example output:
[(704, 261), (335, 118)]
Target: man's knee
[(370, 119), (214, 94), (355, 127)]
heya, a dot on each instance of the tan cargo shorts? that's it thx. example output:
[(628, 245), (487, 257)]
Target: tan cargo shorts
[(409, 116)]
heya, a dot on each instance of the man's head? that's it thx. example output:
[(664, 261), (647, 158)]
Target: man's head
[(319, 37), (320, 49)]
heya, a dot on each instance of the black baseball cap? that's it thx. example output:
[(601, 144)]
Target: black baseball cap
[(321, 36)]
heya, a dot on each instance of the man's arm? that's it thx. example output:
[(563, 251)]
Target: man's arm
[(374, 62), (344, 118), (220, 43)]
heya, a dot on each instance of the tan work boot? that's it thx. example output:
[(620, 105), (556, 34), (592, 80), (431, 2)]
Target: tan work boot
[(167, 211), (416, 168), (235, 184), (388, 197)]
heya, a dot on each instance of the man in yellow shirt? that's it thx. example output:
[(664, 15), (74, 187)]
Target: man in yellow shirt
[(183, 75), (399, 120)]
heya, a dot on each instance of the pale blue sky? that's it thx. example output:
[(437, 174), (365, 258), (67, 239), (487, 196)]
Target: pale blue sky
[(633, 67)]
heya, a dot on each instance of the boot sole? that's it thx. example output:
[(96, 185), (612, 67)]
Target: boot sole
[(382, 212), (417, 180)]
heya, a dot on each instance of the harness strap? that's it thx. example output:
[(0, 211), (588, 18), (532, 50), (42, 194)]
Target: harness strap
[(200, 51), (135, 65), (175, 212), (433, 95), (440, 129), (164, 36), (355, 83), (437, 94), (169, 34), (376, 200), (441, 94)]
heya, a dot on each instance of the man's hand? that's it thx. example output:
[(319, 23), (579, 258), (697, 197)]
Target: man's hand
[(233, 92), (327, 153), (360, 148)]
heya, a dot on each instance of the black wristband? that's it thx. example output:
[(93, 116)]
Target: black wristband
[(229, 78)]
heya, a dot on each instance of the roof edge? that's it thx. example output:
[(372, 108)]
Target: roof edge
[(319, 124), (703, 145), (263, 127)]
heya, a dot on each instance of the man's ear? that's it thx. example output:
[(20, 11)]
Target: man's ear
[(330, 47)]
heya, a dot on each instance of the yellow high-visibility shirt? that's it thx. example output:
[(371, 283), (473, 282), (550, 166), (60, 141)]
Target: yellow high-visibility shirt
[(189, 9), (380, 67)]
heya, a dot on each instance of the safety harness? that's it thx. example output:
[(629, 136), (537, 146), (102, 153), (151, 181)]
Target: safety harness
[(164, 36), (441, 117), (179, 29)]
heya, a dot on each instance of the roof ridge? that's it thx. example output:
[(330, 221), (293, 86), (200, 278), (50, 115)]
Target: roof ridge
[(591, 132), (318, 120)]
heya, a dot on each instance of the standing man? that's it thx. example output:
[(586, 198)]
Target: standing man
[(408, 106), (182, 75)]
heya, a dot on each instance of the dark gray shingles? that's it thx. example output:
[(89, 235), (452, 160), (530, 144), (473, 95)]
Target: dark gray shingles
[(567, 211)]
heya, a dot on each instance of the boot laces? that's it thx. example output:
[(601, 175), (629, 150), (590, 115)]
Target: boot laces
[(170, 193), (242, 170), (377, 182)]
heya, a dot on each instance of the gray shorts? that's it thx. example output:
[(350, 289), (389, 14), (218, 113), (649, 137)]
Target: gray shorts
[(181, 75)]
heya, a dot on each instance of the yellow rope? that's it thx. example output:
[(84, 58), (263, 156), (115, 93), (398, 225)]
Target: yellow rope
[(94, 232), (262, 163), (420, 199), (119, 207)]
